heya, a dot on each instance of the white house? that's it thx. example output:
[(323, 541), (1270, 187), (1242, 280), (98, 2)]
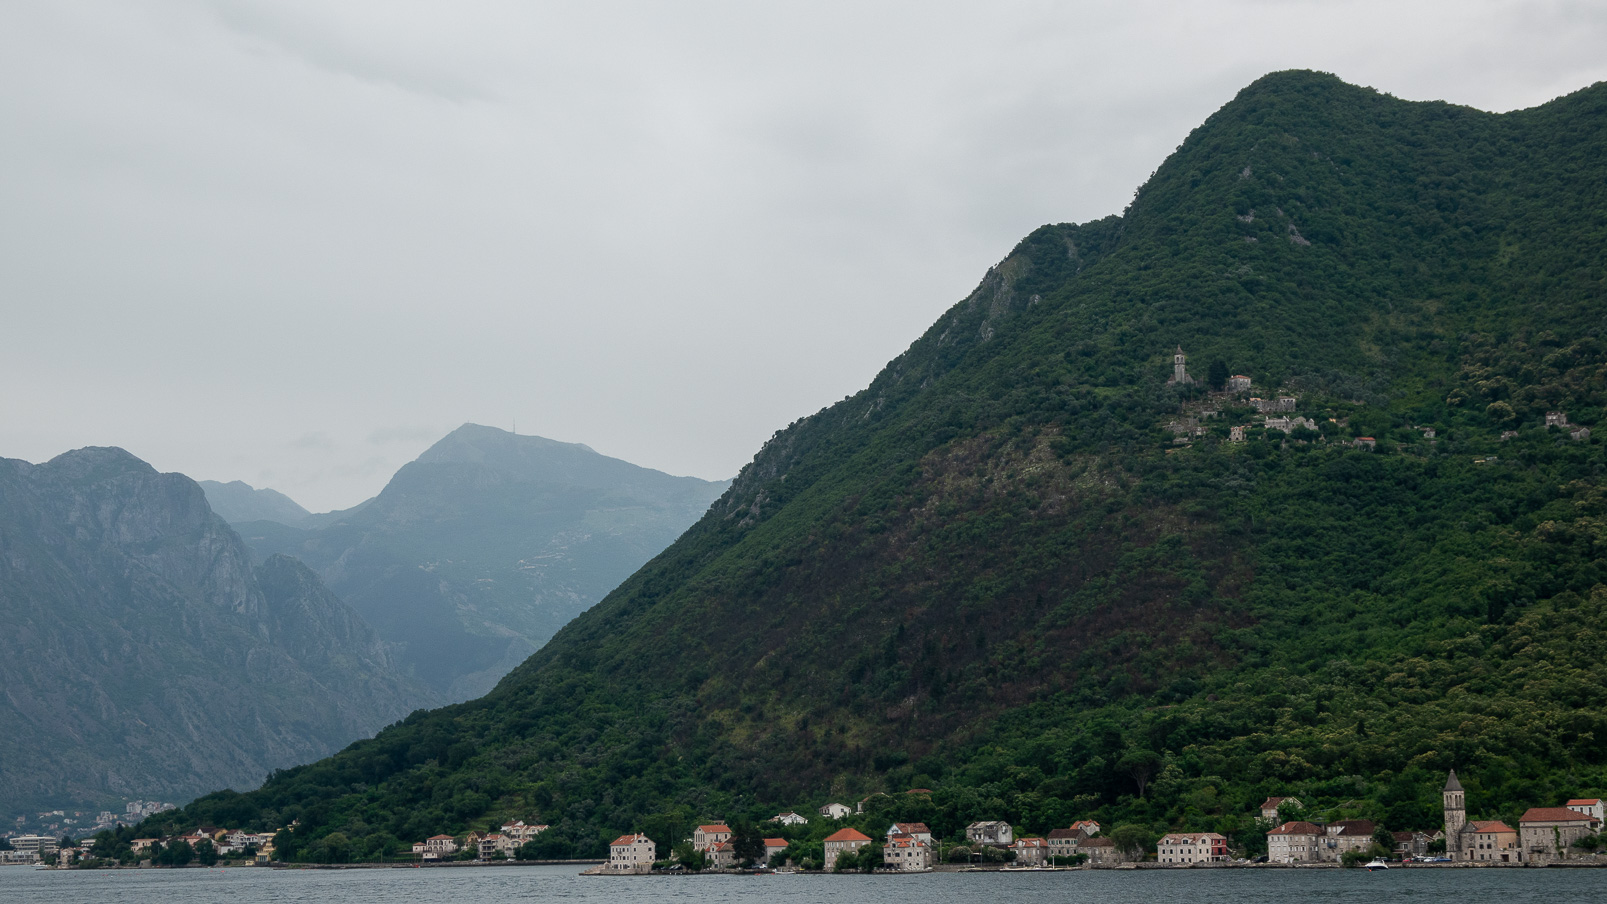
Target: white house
[(912, 829), (835, 811), (632, 854), (436, 847), (1590, 806), (1183, 848), (789, 818)]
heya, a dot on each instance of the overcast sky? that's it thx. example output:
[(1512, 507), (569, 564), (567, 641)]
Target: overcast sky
[(294, 243)]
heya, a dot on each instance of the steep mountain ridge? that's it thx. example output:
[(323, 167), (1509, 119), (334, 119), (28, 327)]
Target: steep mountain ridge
[(1025, 569), (488, 543), (145, 656)]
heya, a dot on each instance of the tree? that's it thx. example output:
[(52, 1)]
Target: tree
[(870, 857), (1132, 840), (5, 844), (690, 858), (1216, 375), (205, 853), (1382, 838), (1140, 764), (747, 843), (846, 862)]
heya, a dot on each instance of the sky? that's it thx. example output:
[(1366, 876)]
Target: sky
[(295, 243)]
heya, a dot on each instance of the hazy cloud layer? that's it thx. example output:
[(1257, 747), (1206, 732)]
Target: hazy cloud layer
[(248, 240)]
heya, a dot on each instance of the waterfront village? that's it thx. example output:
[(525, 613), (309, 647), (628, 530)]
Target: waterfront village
[(1566, 835)]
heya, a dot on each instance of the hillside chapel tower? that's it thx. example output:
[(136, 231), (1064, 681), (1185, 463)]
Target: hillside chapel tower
[(1456, 816), (1180, 373)]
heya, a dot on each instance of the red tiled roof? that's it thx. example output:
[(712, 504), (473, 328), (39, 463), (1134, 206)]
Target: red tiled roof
[(911, 828), (1551, 814), (1297, 828), (1030, 842), (848, 835), (1491, 825), (1584, 801), (627, 839), (439, 837), (1064, 833), (1272, 803), (717, 827), (1355, 827), (775, 842)]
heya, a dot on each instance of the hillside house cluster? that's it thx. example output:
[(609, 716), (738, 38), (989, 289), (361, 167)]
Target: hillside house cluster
[(503, 843)]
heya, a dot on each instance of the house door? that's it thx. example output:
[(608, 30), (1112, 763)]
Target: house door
[(1503, 858)]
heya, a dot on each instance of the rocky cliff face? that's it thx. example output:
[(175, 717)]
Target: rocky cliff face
[(144, 655)]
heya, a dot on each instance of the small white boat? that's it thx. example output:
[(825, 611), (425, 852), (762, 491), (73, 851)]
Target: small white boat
[(1376, 864)]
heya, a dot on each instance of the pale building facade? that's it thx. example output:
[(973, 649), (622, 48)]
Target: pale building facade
[(705, 837), (633, 854), (842, 841), (995, 832), (1185, 848), (1294, 842), (1547, 834)]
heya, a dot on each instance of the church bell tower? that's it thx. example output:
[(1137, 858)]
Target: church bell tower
[(1456, 816)]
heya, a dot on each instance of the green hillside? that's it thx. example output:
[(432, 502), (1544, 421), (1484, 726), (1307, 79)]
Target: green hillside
[(993, 572)]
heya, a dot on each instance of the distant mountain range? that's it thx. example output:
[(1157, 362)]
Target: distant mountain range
[(481, 549), (143, 654)]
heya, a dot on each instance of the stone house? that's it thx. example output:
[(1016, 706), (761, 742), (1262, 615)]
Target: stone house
[(632, 854), (705, 837), (1547, 834), (772, 847), (835, 811), (1031, 851), (842, 841), (994, 832), (1411, 844), (907, 853), (1238, 383), (1346, 835), (1182, 848), (1493, 841), (1579, 435), (1556, 419), (1294, 842), (721, 855), (1063, 842), (1235, 434), (1269, 807), (1100, 851)]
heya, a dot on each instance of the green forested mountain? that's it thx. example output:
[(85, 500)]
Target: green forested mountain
[(482, 548), (993, 572)]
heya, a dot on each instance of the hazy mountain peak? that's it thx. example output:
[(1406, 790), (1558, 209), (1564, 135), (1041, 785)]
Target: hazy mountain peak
[(238, 502)]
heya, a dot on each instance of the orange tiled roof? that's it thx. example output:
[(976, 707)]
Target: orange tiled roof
[(1584, 801), (775, 842), (1491, 825), (627, 839), (717, 827), (848, 835), (1297, 828)]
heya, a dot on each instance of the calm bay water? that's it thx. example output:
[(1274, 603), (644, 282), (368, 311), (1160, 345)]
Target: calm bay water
[(19, 885)]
